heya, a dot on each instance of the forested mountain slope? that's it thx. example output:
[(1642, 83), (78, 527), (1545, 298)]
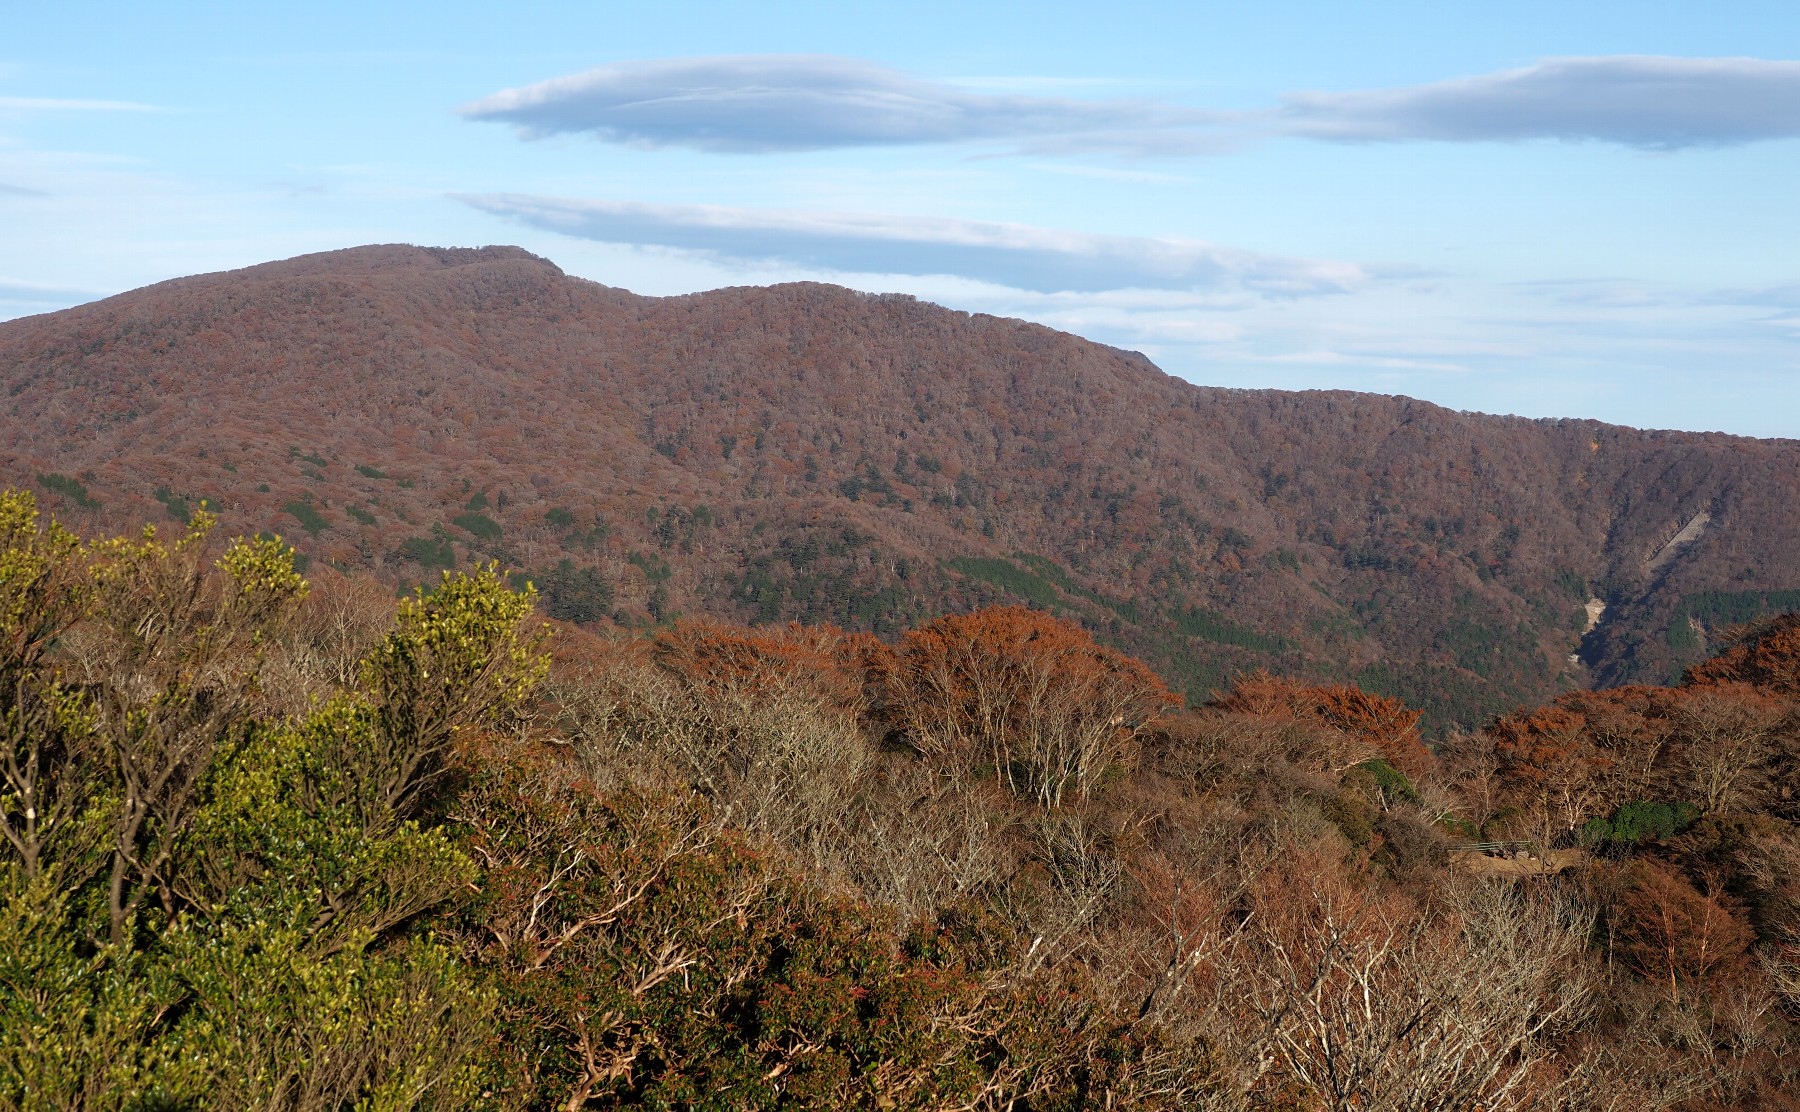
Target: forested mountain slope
[(808, 452)]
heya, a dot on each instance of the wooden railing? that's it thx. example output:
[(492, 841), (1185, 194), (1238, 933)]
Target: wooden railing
[(1495, 847)]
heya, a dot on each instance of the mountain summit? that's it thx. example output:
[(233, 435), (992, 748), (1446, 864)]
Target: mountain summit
[(808, 452)]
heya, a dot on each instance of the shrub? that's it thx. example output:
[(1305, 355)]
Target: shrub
[(1394, 785), (1377, 726), (73, 489), (1637, 822), (477, 525), (307, 515), (1016, 691), (616, 917), (176, 505), (208, 899), (575, 594), (428, 552)]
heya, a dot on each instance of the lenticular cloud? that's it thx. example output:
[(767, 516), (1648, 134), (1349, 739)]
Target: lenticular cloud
[(1637, 101), (794, 102)]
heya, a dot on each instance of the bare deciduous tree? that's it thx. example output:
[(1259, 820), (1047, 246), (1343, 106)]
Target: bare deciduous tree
[(776, 751), (1033, 699), (1372, 1005), (1726, 740)]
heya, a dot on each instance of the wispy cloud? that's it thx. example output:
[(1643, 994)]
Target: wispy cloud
[(1786, 322), (1634, 100), (797, 102), (1784, 296), (1603, 293), (1616, 293), (1012, 255), (61, 104), (8, 190), (36, 292)]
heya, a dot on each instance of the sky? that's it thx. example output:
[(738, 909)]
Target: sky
[(1549, 209)]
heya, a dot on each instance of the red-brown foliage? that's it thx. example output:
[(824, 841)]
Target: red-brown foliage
[(829, 663), (1714, 744), (1033, 697), (1387, 726), (1768, 659), (1675, 935)]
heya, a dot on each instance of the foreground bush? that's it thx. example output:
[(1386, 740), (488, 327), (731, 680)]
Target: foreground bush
[(206, 902)]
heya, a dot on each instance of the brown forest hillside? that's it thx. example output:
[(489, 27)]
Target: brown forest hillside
[(807, 452)]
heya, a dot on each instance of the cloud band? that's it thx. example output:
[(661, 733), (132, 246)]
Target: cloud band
[(1014, 255)]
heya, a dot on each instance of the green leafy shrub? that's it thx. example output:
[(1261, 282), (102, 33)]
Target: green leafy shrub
[(209, 900), (176, 505), (575, 594), (368, 472), (1638, 822), (73, 489), (307, 515), (428, 552), (1393, 784), (477, 525)]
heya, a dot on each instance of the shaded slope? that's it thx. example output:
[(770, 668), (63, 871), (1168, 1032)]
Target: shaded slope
[(808, 452)]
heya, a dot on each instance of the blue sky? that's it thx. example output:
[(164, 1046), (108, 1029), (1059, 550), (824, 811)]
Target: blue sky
[(1546, 209)]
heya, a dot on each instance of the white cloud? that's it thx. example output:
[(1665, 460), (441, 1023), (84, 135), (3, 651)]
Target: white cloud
[(761, 103), (1013, 255), (1635, 100)]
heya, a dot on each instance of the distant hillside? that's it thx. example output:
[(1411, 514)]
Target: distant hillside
[(808, 452)]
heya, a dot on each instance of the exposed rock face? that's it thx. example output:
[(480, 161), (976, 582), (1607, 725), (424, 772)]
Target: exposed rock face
[(805, 451)]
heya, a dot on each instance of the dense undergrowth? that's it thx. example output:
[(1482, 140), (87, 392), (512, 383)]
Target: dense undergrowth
[(272, 844)]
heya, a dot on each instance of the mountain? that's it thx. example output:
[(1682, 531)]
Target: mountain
[(808, 452)]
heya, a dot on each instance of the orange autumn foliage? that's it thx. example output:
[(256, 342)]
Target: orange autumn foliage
[(1674, 935), (1707, 743), (1387, 726), (1769, 660), (827, 662), (1030, 697)]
